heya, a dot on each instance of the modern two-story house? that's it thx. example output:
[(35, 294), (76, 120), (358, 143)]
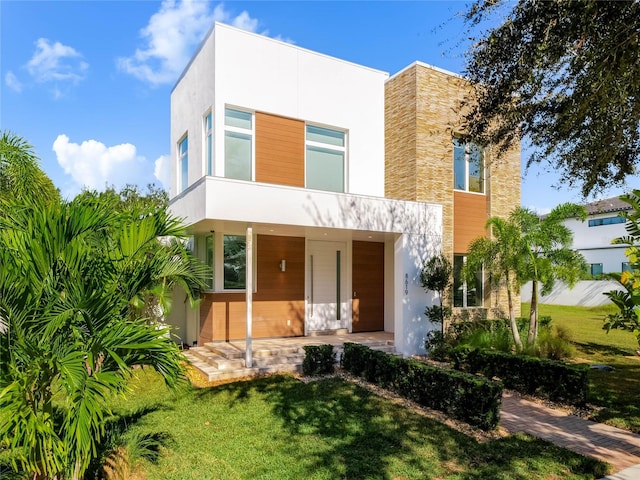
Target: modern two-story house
[(315, 189)]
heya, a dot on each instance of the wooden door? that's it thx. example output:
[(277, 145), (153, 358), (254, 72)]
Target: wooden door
[(368, 286)]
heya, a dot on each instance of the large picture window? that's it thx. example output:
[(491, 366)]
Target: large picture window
[(183, 164), (238, 144), (466, 294), (325, 150), (235, 262), (468, 166)]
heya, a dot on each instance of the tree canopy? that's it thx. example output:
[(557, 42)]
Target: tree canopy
[(566, 76)]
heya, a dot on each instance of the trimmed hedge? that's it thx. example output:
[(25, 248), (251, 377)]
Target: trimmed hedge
[(531, 375), (473, 399), (318, 359)]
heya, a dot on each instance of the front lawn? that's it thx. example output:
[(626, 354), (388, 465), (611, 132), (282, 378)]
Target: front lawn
[(617, 391), (281, 428)]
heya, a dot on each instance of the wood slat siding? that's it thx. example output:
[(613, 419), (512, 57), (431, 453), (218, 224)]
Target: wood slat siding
[(279, 150), (469, 219), (368, 284), (278, 303)]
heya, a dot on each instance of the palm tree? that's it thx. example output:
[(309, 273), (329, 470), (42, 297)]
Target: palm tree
[(546, 255), (499, 256), (21, 179), (73, 277)]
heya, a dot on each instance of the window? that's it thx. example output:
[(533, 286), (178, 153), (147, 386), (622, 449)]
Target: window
[(596, 269), (238, 144), (325, 150), (468, 166), (209, 245), (626, 267), (208, 143), (466, 295), (235, 262), (183, 164), (596, 222)]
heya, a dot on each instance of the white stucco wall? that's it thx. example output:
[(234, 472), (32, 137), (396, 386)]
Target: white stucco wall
[(595, 242), (241, 69)]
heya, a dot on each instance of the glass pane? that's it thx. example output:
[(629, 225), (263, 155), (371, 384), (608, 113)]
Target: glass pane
[(208, 122), (184, 146), (459, 166), (184, 164), (325, 169), (476, 168), (626, 266), (458, 284), (236, 118), (234, 261), (209, 155), (474, 291), (209, 260), (596, 269), (237, 156), (324, 135)]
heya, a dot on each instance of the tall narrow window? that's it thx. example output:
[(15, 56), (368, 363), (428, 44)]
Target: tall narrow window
[(238, 144), (208, 143), (235, 262), (325, 163), (466, 294), (183, 164), (210, 260), (468, 166)]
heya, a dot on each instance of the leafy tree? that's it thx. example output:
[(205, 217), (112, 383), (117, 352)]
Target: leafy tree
[(546, 254), (21, 179), (436, 276), (499, 256), (566, 76), (628, 301)]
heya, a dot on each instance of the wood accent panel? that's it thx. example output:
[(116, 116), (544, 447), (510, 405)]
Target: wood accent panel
[(279, 150), (368, 286), (469, 219), (278, 303)]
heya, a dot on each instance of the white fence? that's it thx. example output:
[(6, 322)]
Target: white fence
[(586, 293)]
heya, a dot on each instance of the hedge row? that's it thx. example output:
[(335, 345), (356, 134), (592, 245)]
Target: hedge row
[(473, 399), (531, 375), (318, 359)]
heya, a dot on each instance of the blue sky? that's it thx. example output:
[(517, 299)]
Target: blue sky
[(87, 83)]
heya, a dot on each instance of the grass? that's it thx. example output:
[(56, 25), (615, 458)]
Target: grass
[(617, 391), (281, 428)]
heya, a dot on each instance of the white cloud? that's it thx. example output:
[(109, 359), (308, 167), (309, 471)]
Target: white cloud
[(12, 82), (172, 35), (56, 63), (162, 170), (94, 165)]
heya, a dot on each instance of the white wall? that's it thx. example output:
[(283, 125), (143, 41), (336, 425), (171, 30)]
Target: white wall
[(595, 242), (586, 293)]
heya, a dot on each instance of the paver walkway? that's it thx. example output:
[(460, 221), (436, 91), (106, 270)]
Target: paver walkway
[(609, 444)]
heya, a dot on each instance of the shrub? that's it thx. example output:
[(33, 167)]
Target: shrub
[(473, 399), (438, 345), (530, 375), (553, 343), (318, 359)]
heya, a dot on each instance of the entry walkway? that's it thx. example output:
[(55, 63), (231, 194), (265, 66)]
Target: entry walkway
[(609, 444)]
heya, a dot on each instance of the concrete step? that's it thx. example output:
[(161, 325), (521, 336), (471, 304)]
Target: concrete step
[(295, 359), (225, 350), (215, 360)]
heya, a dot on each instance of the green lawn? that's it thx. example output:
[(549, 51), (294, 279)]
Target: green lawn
[(617, 391), (281, 428)]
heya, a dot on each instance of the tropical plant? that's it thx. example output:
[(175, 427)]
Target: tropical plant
[(499, 256), (628, 300), (436, 276), (73, 281), (547, 255)]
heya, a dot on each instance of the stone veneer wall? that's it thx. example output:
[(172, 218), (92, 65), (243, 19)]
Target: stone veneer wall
[(421, 117)]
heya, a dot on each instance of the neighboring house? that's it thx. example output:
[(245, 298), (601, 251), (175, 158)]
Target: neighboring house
[(593, 236), (279, 158)]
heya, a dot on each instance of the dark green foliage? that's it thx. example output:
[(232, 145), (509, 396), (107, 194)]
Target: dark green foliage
[(530, 375), (318, 359), (467, 397), (436, 276), (565, 75)]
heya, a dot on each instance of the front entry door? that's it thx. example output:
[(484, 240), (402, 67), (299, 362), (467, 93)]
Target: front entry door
[(326, 290), (368, 286)]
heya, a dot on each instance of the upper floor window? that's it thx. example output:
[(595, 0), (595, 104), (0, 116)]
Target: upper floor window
[(596, 222), (208, 143), (466, 294), (468, 166), (183, 164), (238, 144), (325, 159)]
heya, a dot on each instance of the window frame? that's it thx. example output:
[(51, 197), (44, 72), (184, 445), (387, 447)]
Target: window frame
[(603, 221), (466, 144), (591, 265), (327, 146), (183, 162), (207, 142), (242, 131), (464, 285)]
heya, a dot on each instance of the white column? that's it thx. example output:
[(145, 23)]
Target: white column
[(249, 290)]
